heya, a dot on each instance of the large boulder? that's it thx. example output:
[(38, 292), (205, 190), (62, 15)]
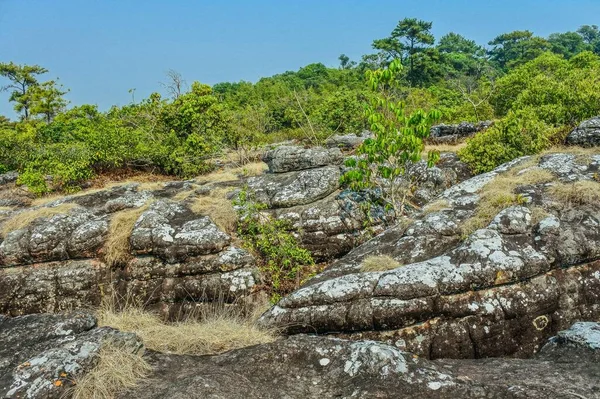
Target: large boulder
[(587, 134), (348, 141), (41, 355), (287, 158), (499, 290)]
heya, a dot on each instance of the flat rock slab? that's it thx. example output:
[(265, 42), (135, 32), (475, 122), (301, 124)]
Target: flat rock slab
[(319, 367)]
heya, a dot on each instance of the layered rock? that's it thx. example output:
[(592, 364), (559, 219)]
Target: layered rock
[(348, 141), (173, 258), (443, 133), (587, 134), (41, 355), (316, 367), (501, 290), (331, 221)]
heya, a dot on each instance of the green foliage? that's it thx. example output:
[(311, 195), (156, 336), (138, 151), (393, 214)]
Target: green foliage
[(515, 48), (398, 142), (283, 261), (519, 133)]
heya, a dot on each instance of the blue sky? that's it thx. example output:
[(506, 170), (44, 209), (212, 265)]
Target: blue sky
[(102, 48)]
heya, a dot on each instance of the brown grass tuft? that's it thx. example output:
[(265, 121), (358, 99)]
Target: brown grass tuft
[(445, 147), (251, 169), (436, 206), (116, 371), (499, 194), (379, 263), (23, 219), (218, 208), (219, 329), (116, 248), (584, 192)]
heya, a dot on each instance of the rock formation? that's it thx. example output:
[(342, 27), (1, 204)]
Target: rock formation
[(500, 290), (41, 356), (587, 134), (443, 133), (303, 187)]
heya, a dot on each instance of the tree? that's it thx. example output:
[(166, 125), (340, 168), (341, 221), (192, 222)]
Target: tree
[(22, 78), (589, 33), (567, 44), (382, 162), (411, 36), (345, 62), (176, 84), (455, 43), (47, 100), (516, 48)]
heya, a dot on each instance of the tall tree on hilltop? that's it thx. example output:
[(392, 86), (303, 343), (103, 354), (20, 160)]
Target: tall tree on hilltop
[(47, 100), (22, 78), (410, 37)]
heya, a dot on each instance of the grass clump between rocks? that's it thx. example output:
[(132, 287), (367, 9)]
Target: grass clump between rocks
[(117, 249), (218, 328), (499, 194), (583, 192), (379, 263), (218, 207), (23, 219), (117, 370)]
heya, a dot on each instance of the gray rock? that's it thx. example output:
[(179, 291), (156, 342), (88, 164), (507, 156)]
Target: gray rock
[(40, 355), (8, 177), (318, 367), (292, 158), (295, 188), (502, 290), (348, 141), (172, 232), (587, 134), (443, 133)]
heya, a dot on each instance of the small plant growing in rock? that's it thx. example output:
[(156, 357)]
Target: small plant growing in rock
[(283, 261), (379, 263), (383, 160)]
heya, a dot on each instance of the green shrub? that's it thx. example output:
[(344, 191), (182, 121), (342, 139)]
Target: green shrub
[(518, 134), (282, 260)]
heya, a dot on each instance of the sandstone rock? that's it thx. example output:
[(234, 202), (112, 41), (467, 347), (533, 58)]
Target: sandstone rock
[(348, 141), (503, 290), (295, 188), (8, 177), (40, 355), (172, 232), (443, 133), (292, 158), (316, 367), (587, 134)]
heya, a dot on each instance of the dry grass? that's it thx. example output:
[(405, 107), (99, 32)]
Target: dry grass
[(537, 214), (219, 329), (584, 192), (219, 176), (445, 147), (379, 263), (500, 194), (116, 371), (251, 169), (218, 208), (23, 219), (436, 206), (117, 249)]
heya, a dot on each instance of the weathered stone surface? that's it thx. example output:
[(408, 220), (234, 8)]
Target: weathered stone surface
[(503, 290), (172, 232), (348, 141), (40, 355), (587, 134), (295, 188), (76, 234), (451, 133), (9, 177), (177, 258), (287, 158), (317, 367)]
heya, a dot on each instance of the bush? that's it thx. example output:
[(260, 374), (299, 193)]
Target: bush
[(518, 134), (282, 260)]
